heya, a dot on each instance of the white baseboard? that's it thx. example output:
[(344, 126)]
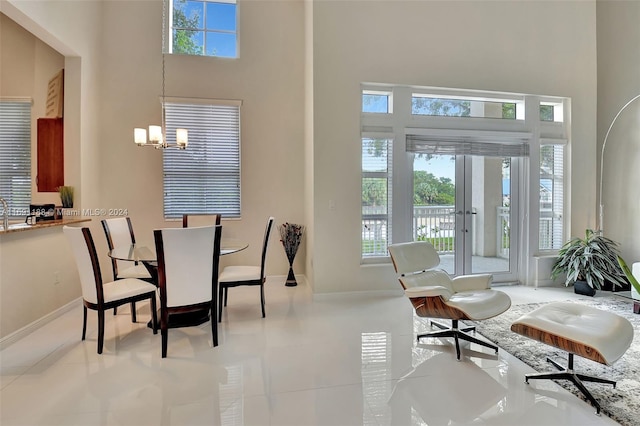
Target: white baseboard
[(10, 339), (357, 294)]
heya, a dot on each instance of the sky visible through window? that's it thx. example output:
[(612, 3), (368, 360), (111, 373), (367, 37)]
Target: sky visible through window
[(211, 25)]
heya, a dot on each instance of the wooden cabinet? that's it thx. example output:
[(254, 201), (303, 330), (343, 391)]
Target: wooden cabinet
[(50, 154)]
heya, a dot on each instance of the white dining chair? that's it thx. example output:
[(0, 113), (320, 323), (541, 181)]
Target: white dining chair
[(241, 275), (188, 262), (200, 219), (119, 232), (98, 295)]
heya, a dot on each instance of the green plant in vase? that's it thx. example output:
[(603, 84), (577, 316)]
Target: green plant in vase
[(66, 196), (592, 259)]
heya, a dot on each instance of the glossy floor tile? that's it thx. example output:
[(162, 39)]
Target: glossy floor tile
[(330, 360)]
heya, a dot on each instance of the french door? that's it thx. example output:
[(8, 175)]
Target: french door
[(466, 206)]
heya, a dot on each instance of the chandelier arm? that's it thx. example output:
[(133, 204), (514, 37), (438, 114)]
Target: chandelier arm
[(604, 144)]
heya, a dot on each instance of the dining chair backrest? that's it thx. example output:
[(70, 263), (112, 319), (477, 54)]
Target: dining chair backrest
[(119, 232), (191, 220), (86, 258), (188, 261), (265, 244)]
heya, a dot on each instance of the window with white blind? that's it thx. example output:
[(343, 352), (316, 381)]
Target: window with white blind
[(376, 196), (551, 226), (15, 155), (205, 177)]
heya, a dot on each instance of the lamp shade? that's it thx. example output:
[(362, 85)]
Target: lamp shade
[(140, 136), (155, 135), (182, 138)]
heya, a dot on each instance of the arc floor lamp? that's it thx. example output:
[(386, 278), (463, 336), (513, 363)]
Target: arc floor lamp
[(604, 145)]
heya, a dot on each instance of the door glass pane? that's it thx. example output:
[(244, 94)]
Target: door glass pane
[(433, 205), (471, 232), (488, 218)]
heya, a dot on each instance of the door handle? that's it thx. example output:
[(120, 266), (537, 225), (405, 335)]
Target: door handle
[(468, 212)]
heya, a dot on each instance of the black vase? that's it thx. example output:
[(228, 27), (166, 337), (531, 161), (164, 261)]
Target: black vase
[(581, 287), (291, 279)]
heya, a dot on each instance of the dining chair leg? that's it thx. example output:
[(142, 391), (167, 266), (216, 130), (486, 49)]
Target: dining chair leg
[(220, 304), (133, 312), (84, 322), (214, 328), (226, 292), (262, 299), (100, 330), (165, 337), (154, 314), (115, 311)]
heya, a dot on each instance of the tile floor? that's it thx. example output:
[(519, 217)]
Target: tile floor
[(330, 360)]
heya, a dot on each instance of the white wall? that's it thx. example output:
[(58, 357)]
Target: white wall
[(619, 82), (543, 48)]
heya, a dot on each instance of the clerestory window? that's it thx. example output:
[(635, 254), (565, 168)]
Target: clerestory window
[(203, 27)]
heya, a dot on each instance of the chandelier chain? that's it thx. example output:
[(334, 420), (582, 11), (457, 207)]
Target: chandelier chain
[(164, 23)]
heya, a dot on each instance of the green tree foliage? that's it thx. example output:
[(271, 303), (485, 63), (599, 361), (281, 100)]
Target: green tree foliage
[(431, 191), (441, 107), (183, 40), (427, 189), (374, 192), (546, 113), (509, 110)]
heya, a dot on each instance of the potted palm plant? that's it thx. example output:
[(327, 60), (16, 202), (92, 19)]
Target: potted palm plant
[(589, 262)]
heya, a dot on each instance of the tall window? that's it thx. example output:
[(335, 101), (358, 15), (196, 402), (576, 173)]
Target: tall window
[(205, 177), (15, 155), (376, 196), (203, 27), (551, 196)]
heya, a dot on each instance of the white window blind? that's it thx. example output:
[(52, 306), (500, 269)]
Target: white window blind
[(459, 142), (205, 177), (15, 155), (551, 195), (376, 195)]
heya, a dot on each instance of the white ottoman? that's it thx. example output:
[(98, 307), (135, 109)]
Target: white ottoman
[(591, 333)]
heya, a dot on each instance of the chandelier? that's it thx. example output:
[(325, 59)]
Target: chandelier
[(157, 134)]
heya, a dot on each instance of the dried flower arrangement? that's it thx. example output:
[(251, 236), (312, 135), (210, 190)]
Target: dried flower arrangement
[(291, 236)]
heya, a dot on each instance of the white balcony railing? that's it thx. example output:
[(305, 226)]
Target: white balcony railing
[(435, 224)]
